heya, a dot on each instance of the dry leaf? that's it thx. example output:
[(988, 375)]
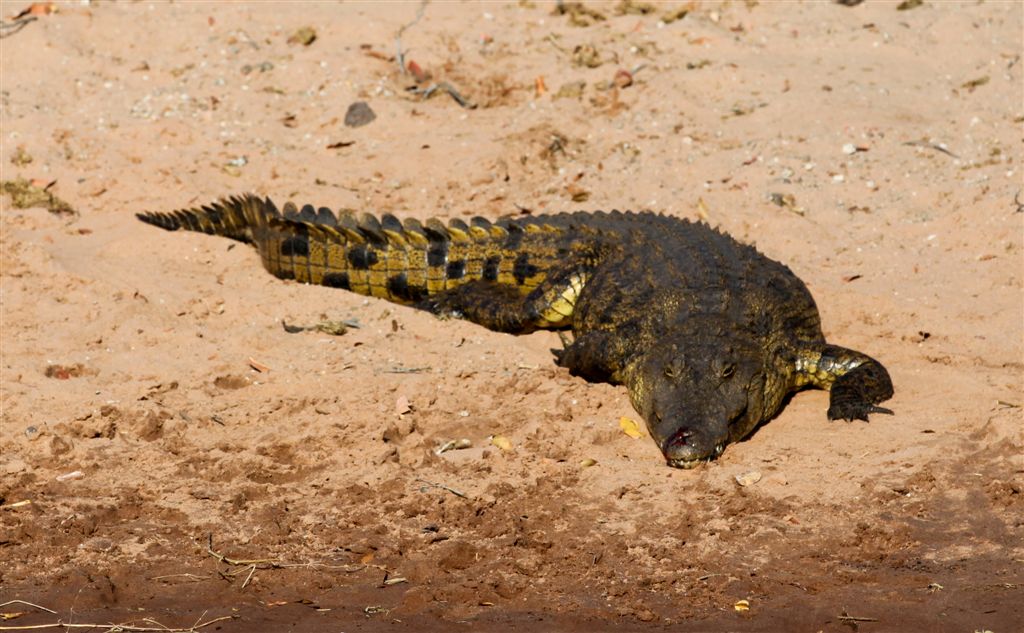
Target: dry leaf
[(742, 605), (258, 366), (538, 85), (587, 463), (630, 427), (38, 8), (394, 581), (417, 72), (501, 442)]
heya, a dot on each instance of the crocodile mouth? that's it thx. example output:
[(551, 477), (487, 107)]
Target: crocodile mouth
[(688, 464)]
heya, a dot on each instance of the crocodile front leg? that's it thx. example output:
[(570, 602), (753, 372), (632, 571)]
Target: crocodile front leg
[(591, 356), (856, 382)]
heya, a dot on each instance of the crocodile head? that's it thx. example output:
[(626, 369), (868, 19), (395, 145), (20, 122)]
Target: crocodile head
[(698, 397)]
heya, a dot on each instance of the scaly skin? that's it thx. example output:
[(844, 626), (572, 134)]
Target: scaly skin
[(707, 334)]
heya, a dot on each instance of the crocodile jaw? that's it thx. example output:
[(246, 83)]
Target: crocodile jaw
[(689, 464)]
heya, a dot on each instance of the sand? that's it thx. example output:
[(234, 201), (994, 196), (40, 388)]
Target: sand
[(152, 400)]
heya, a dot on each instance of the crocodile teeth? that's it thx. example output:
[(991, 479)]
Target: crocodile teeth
[(686, 464)]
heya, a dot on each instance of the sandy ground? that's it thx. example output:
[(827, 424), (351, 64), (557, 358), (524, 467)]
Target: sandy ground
[(136, 427)]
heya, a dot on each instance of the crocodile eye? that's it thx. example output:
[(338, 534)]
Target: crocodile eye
[(728, 370)]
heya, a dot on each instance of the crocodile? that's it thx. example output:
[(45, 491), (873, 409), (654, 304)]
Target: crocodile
[(708, 335)]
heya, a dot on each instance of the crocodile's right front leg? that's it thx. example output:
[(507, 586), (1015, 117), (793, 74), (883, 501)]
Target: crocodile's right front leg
[(856, 382)]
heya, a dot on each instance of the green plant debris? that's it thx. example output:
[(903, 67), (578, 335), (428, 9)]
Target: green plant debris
[(20, 158), (25, 195)]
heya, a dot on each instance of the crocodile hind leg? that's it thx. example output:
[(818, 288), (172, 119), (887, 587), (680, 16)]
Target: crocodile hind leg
[(856, 382), (495, 306), (503, 308)]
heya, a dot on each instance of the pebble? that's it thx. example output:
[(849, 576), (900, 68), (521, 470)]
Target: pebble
[(749, 478), (359, 114)]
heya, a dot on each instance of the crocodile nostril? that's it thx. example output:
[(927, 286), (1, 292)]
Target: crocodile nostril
[(678, 438)]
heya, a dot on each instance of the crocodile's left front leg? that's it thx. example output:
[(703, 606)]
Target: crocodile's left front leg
[(856, 382)]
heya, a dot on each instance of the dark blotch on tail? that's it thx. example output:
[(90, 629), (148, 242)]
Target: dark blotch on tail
[(437, 254), (399, 288), (456, 269), (298, 245), (336, 280), (361, 257), (523, 269), (491, 268)]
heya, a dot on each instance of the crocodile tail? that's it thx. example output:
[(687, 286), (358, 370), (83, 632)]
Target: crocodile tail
[(235, 217), (401, 261)]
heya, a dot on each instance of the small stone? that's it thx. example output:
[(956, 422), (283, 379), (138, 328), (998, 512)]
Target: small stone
[(623, 78), (849, 148), (402, 405), (305, 36), (359, 114), (749, 478), (75, 474)]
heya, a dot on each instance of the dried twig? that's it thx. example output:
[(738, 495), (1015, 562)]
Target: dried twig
[(29, 604), (117, 628), (269, 562), (10, 28), (850, 618), (938, 147), (400, 55), (1016, 201), (190, 577), (447, 87), (406, 370), (430, 484)]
